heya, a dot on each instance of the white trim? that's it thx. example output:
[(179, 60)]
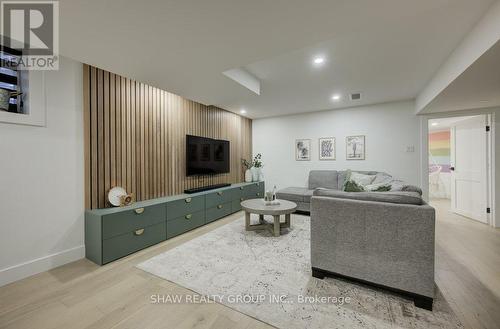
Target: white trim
[(42, 264)]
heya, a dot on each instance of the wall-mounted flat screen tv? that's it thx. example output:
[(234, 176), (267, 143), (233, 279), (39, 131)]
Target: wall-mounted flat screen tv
[(206, 156)]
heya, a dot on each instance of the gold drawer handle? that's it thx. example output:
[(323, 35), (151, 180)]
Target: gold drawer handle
[(139, 211), (189, 216), (139, 232), (188, 200), (219, 193), (220, 206)]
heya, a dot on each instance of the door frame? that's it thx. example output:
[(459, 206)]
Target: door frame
[(494, 185)]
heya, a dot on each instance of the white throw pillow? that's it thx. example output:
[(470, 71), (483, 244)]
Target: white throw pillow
[(361, 179)]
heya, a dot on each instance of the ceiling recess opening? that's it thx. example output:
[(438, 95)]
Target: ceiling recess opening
[(244, 78)]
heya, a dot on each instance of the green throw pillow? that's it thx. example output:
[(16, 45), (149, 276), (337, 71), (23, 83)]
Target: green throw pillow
[(352, 186)]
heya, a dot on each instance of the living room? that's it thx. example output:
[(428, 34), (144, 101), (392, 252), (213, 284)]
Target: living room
[(247, 164)]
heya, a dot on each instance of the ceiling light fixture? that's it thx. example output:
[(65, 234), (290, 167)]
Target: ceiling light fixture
[(318, 60), (434, 124), (243, 111), (336, 97)]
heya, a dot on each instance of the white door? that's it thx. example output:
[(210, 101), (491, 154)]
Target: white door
[(469, 189)]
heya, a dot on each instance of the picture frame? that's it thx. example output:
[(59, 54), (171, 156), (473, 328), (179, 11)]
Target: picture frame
[(302, 149), (327, 148), (355, 147)]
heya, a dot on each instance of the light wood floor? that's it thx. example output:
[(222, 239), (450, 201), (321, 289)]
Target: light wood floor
[(84, 295), (468, 267)]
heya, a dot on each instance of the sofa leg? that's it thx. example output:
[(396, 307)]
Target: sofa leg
[(317, 273), (423, 302)]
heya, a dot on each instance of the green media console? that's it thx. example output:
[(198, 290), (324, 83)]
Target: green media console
[(113, 233)]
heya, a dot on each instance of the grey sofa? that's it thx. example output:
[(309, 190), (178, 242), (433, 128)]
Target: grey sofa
[(330, 179), (384, 239)]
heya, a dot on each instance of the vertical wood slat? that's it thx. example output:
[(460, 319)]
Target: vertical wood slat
[(93, 138), (135, 138), (100, 137), (107, 143), (86, 135)]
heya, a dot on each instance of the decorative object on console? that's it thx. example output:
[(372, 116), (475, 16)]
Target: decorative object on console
[(327, 148), (257, 174), (118, 197), (355, 147), (248, 172), (126, 199), (303, 150), (248, 176)]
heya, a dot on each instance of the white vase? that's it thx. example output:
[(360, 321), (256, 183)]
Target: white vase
[(248, 176), (261, 175), (255, 174)]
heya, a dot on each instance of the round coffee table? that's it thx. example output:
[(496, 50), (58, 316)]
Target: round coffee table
[(258, 206)]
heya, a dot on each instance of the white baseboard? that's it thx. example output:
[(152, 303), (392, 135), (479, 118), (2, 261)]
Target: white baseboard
[(42, 264)]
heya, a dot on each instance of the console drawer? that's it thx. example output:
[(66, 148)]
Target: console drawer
[(125, 244), (219, 197), (131, 220), (189, 205), (217, 212), (254, 191), (185, 223), (236, 204)]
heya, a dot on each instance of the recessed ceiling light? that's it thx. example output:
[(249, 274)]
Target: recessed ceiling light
[(243, 111), (336, 97), (318, 60), (483, 101), (434, 124)]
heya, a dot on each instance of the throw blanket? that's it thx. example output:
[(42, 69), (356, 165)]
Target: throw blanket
[(386, 183)]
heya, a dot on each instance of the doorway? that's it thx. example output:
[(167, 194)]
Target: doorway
[(459, 165)]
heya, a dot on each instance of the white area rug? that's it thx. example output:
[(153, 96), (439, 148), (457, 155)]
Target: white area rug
[(230, 262)]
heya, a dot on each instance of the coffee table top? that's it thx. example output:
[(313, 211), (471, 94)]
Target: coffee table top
[(258, 206)]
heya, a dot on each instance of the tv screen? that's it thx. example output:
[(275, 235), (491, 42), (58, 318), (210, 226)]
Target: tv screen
[(206, 156)]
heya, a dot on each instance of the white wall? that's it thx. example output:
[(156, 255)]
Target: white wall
[(389, 128), (41, 182)]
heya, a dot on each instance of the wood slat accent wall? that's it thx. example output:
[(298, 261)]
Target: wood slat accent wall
[(135, 137)]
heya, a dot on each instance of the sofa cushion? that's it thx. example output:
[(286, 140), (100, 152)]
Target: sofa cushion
[(361, 179), (399, 197), (323, 178), (296, 194), (343, 174), (412, 188)]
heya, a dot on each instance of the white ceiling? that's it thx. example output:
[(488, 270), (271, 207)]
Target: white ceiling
[(385, 49), (477, 87)]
